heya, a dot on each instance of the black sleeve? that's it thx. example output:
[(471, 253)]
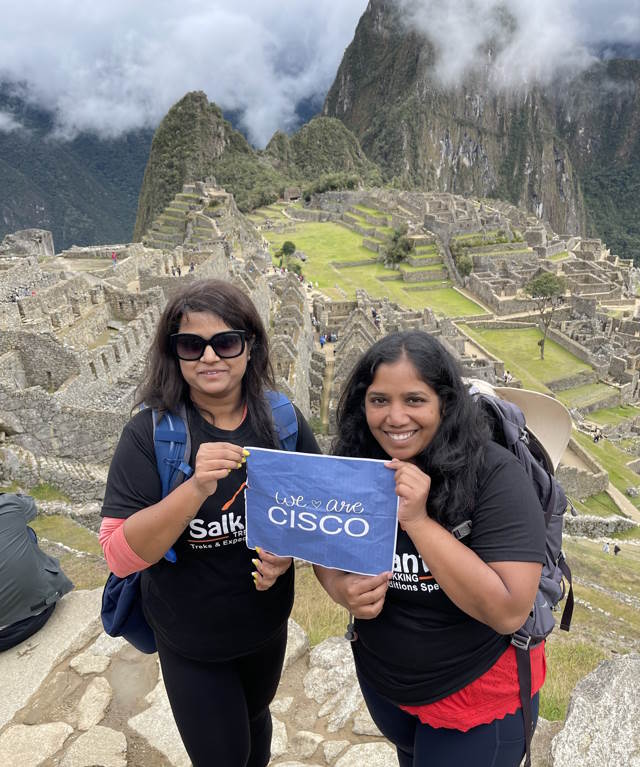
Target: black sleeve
[(133, 482), (508, 521), (306, 441)]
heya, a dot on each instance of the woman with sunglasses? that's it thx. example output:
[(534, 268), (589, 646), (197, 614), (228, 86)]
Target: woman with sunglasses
[(432, 646), (219, 613)]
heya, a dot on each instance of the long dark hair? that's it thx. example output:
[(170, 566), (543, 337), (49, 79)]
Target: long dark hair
[(455, 453), (163, 386)]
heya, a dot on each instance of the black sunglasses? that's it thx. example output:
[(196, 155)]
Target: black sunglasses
[(190, 347)]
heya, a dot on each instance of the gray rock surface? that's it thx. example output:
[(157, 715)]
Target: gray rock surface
[(602, 727), (297, 644), (99, 747), (333, 748), (94, 703), (29, 745), (25, 667), (157, 726), (369, 754), (304, 743), (279, 740)]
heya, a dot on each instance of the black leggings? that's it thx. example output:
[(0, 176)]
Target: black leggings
[(222, 709), (499, 744)]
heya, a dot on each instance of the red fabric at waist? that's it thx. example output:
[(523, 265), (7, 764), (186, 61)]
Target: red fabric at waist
[(492, 696)]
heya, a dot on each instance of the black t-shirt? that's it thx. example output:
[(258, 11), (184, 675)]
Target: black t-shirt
[(421, 647), (204, 606)]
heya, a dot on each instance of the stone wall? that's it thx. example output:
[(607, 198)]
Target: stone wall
[(592, 526), (44, 426), (581, 483), (44, 361)]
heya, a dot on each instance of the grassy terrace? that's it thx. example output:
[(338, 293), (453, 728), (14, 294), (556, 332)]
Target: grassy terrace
[(434, 267), (425, 250), (582, 396), (559, 256), (600, 505), (371, 211), (613, 460), (520, 352), (614, 415), (327, 245)]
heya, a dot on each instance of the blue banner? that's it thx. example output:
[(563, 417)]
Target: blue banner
[(335, 512)]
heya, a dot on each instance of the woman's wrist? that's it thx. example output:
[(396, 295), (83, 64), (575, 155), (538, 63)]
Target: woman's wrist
[(418, 526)]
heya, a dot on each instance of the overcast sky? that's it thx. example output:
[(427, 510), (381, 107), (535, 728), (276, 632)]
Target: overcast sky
[(110, 66)]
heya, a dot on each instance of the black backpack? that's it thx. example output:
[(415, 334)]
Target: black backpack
[(507, 423)]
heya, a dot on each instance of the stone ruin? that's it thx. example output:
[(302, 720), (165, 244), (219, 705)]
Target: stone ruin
[(76, 326), (75, 330)]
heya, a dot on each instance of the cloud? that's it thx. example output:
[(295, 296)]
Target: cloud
[(113, 65), (519, 42), (8, 123)]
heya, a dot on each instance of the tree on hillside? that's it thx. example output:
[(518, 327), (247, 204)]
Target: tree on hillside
[(288, 248), (398, 248), (547, 291)]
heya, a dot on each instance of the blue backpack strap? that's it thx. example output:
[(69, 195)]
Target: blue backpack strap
[(284, 419), (172, 445)]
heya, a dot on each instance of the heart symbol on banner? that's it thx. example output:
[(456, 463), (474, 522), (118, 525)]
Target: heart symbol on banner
[(316, 504)]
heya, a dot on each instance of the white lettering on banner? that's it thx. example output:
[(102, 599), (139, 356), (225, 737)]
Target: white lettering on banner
[(308, 521), (228, 523)]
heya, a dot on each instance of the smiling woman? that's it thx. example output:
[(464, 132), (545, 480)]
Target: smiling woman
[(219, 614), (452, 694)]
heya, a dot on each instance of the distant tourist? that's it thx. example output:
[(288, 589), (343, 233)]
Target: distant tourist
[(219, 614), (605, 547), (616, 550), (114, 259), (179, 270), (173, 271), (192, 267), (31, 582), (597, 435), (507, 377)]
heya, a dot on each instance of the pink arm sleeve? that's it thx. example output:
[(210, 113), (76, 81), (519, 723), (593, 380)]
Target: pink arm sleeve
[(121, 558)]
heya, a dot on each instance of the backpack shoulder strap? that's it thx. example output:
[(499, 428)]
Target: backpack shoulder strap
[(284, 419), (172, 446)]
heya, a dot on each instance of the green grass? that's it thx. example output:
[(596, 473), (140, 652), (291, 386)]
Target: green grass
[(581, 396), (61, 529), (613, 461), (371, 211), (558, 256), (436, 267), (328, 244), (486, 237), (611, 416), (567, 663), (314, 611), (86, 569), (520, 352), (322, 243), (46, 492), (602, 505), (450, 303)]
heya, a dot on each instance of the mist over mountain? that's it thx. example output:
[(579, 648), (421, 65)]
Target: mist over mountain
[(84, 191), (536, 103), (479, 105)]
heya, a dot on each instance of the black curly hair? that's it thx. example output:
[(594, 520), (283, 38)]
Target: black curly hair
[(453, 457)]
